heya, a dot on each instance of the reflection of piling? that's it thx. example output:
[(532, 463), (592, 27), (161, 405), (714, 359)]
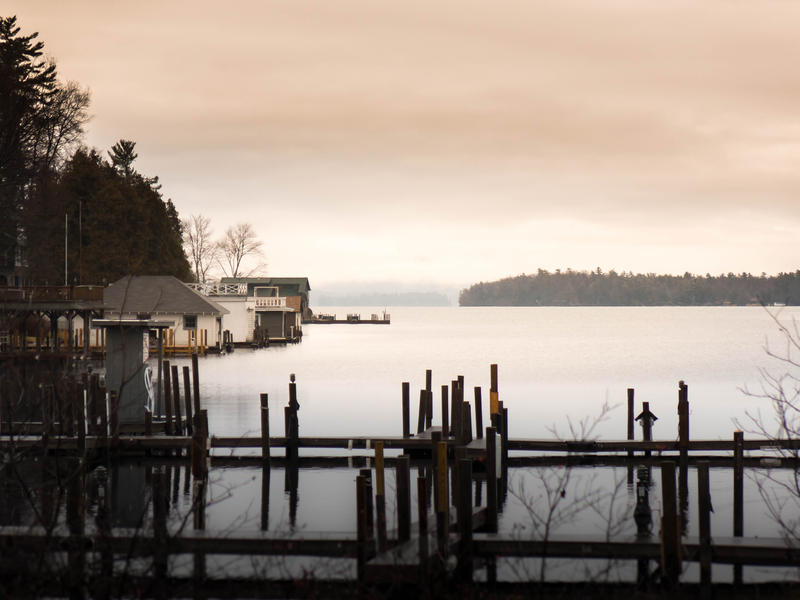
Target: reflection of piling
[(704, 526), (380, 497), (403, 492), (160, 491), (738, 496), (670, 536), (464, 506)]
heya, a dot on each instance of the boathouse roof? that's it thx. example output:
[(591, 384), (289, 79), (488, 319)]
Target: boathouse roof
[(157, 295), (299, 285)]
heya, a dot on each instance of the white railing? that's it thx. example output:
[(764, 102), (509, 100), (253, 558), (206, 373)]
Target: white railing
[(271, 302), (220, 289)]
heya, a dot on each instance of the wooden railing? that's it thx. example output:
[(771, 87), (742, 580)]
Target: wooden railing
[(271, 302)]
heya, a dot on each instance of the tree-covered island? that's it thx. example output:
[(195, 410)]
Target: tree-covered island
[(596, 288)]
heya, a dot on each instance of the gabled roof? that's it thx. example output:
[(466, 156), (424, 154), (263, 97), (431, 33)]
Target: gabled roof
[(157, 294), (301, 282)]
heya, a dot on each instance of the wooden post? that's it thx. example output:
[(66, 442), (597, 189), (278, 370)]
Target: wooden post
[(631, 433), (683, 419), (670, 536), (196, 383), (445, 416), (704, 526), (491, 480), (443, 496), (406, 410), (403, 491), (738, 496), (423, 403), (198, 448), (380, 497), (176, 402), (422, 512), (504, 436), (454, 408), (265, 452), (428, 380), (187, 396), (478, 413), (428, 409), (361, 525), (167, 399), (465, 519)]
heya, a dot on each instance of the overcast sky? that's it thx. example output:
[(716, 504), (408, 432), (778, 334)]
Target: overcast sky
[(456, 141)]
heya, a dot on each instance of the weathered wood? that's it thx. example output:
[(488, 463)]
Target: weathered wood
[(176, 401), (403, 492), (264, 399), (422, 516), (704, 527), (406, 409), (423, 403), (465, 519), (428, 380), (428, 409), (196, 382), (148, 422), (361, 525), (631, 432), (187, 396), (445, 412), (478, 413), (442, 519), (491, 480), (454, 422), (380, 497), (738, 497), (670, 536), (168, 428)]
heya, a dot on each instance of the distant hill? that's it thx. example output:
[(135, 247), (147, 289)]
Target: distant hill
[(382, 299), (596, 288)]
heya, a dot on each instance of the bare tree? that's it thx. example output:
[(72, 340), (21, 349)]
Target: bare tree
[(240, 243), (199, 246)]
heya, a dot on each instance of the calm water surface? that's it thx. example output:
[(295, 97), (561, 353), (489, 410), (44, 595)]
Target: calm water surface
[(555, 364)]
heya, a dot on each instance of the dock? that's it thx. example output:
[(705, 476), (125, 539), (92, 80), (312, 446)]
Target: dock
[(435, 543)]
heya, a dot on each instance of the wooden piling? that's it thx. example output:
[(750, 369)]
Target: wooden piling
[(406, 409), (367, 473), (428, 409), (403, 491), (187, 396), (442, 517), (148, 422), (167, 399), (491, 480), (428, 380), (738, 496), (176, 402), (196, 383), (631, 432), (478, 413), (670, 536), (445, 413), (422, 516), (265, 452), (683, 419), (454, 408), (704, 527), (423, 403), (465, 519), (361, 525), (380, 497)]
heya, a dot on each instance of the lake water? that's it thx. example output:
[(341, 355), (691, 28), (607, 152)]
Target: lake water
[(555, 364)]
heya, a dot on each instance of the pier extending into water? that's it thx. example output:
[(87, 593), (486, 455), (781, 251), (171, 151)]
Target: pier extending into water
[(441, 538)]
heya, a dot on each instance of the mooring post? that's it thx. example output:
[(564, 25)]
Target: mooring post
[(148, 422), (704, 527), (406, 410), (683, 421), (428, 380), (265, 452), (428, 409), (442, 517), (403, 491), (187, 395), (454, 408), (196, 382), (176, 402), (361, 526), (422, 515), (423, 402), (670, 536), (631, 435), (465, 519), (445, 417), (504, 438), (294, 423), (478, 413), (491, 480), (738, 496), (380, 497), (167, 399)]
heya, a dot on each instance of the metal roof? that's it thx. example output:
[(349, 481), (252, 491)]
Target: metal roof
[(157, 294)]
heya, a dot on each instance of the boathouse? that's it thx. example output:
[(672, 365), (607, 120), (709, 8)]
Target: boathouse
[(260, 309), (197, 319)]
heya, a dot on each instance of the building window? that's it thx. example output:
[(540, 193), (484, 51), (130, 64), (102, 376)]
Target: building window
[(190, 321)]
